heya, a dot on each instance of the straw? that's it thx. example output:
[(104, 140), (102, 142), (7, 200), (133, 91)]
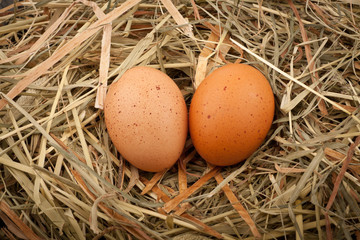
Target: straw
[(61, 176)]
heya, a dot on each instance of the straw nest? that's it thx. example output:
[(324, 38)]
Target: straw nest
[(61, 177)]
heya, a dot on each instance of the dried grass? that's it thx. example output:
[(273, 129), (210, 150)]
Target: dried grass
[(61, 177)]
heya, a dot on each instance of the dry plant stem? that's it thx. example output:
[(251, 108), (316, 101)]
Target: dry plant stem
[(238, 207), (136, 231), (80, 132), (4, 207), (131, 226), (39, 70), (334, 155), (8, 234), (201, 226), (104, 57), (304, 178), (308, 55), (179, 19), (159, 193), (183, 162), (157, 176), (204, 227), (337, 183), (288, 170), (93, 217), (173, 203), (319, 11), (180, 211), (296, 81), (5, 9), (203, 59), (43, 142), (182, 179), (40, 143), (42, 40), (228, 179), (134, 177), (196, 10), (105, 231), (299, 221)]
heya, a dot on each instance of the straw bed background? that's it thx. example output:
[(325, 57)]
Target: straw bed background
[(61, 177)]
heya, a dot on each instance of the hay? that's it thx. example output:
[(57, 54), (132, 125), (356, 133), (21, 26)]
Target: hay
[(62, 178)]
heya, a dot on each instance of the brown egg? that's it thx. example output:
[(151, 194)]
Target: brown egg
[(146, 118), (230, 114)]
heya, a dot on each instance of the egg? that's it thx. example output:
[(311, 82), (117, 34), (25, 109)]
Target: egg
[(230, 114), (146, 118)]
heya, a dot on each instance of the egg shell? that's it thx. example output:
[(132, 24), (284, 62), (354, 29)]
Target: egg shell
[(230, 114), (146, 118)]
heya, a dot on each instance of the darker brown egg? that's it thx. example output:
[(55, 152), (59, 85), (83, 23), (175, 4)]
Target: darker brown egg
[(231, 113)]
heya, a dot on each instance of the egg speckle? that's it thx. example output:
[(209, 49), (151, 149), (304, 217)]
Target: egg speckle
[(146, 118), (231, 113)]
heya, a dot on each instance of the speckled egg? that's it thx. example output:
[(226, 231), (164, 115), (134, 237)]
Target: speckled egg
[(230, 114), (146, 118)]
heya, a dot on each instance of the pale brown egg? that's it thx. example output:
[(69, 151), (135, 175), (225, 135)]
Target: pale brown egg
[(230, 114), (146, 118)]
